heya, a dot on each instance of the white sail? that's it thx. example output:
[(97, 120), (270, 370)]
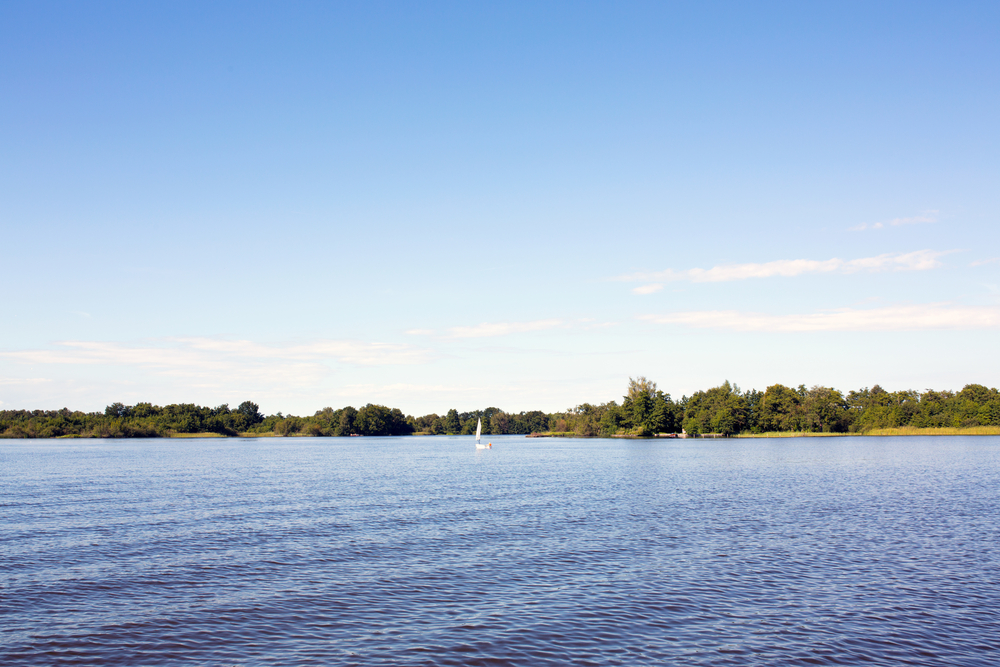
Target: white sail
[(479, 430)]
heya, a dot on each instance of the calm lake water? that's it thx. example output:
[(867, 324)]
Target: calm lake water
[(423, 551)]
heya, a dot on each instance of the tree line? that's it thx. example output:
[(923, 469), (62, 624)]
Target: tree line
[(726, 410), (644, 411)]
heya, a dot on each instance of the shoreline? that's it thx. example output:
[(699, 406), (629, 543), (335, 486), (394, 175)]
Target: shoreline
[(878, 432), (883, 432)]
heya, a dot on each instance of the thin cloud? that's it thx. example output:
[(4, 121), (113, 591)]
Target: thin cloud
[(346, 351), (212, 354), (19, 382), (647, 289), (598, 325), (920, 260), (502, 328), (891, 318), (982, 262), (928, 216), (399, 389)]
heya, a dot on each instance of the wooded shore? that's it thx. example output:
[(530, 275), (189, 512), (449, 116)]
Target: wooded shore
[(645, 411)]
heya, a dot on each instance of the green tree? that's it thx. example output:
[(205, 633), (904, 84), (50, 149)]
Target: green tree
[(977, 393), (372, 420), (825, 410), (779, 409), (641, 386), (721, 410), (753, 400), (117, 410), (500, 423), (250, 412), (666, 415), (452, 423), (347, 417), (534, 421)]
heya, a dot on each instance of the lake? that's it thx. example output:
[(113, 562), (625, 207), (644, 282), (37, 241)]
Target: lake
[(424, 551)]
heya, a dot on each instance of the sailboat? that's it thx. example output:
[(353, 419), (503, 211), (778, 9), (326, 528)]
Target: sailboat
[(479, 433)]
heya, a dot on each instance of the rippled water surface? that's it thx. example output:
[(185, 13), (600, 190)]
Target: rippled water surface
[(423, 551)]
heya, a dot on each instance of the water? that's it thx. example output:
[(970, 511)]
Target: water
[(423, 551)]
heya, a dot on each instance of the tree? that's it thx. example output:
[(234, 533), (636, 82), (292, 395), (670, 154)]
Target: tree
[(372, 420), (642, 411), (753, 399), (347, 417), (144, 410), (380, 420), (977, 393), (721, 409), (665, 416), (117, 410), (825, 410), (534, 421), (452, 423), (779, 409), (989, 414), (612, 420), (641, 386), (500, 423), (251, 412)]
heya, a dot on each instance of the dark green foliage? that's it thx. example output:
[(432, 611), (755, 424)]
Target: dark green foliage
[(645, 411), (380, 420), (721, 410), (779, 410), (495, 422), (122, 421), (452, 423), (754, 401), (117, 410), (249, 411), (825, 410), (346, 422)]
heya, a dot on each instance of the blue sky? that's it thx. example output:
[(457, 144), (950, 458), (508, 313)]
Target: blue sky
[(434, 205)]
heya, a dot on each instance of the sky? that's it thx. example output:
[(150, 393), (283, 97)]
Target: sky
[(435, 205)]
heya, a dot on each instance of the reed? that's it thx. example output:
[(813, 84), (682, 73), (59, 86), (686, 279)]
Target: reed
[(790, 434), (944, 430), (900, 430)]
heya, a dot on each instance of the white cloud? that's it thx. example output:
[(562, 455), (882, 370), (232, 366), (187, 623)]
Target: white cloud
[(648, 289), (927, 216), (20, 382), (598, 325), (891, 318), (502, 328), (352, 352), (211, 354), (491, 329), (189, 368), (981, 262), (920, 260), (399, 389)]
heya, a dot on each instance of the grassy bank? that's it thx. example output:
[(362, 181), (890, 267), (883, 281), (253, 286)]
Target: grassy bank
[(909, 430), (902, 430), (792, 434)]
